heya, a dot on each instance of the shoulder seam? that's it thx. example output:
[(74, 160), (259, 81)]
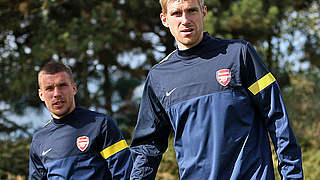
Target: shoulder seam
[(164, 59), (167, 57), (47, 123)]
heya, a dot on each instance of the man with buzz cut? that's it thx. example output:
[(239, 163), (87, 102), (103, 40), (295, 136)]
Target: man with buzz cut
[(77, 143), (221, 102)]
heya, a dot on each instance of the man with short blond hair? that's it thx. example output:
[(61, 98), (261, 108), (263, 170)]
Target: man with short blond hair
[(221, 102)]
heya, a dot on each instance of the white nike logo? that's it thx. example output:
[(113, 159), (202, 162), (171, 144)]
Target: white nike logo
[(170, 92), (46, 152)]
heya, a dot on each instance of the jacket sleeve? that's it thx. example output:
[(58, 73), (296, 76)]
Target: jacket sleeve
[(266, 95), (116, 151), (151, 134), (36, 169)]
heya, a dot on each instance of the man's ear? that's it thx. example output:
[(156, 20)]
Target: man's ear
[(204, 12), (40, 93), (163, 18), (74, 87)]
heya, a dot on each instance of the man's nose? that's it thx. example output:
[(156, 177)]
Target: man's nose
[(185, 18), (57, 92)]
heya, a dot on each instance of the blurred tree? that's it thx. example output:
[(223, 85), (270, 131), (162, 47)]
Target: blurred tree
[(110, 46), (306, 25), (14, 155), (304, 108)]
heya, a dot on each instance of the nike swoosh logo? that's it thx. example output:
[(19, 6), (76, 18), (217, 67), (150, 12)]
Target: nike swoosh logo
[(46, 152), (170, 92)]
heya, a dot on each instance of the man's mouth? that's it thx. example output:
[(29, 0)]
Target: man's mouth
[(187, 31), (58, 104)]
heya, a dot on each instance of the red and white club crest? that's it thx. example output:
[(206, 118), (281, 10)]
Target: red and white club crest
[(223, 76), (82, 142)]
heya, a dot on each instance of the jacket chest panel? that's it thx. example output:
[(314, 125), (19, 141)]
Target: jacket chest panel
[(198, 79), (65, 142)]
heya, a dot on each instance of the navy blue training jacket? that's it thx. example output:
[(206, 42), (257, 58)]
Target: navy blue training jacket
[(84, 145), (222, 102)]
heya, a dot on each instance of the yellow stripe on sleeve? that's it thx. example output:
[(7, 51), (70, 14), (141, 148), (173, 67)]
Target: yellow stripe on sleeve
[(113, 149), (262, 83)]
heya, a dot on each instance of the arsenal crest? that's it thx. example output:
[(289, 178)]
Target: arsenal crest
[(223, 76), (82, 142)]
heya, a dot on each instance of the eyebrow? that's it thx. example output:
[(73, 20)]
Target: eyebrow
[(190, 8), (59, 84)]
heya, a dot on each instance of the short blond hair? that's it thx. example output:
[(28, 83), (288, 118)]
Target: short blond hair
[(163, 4)]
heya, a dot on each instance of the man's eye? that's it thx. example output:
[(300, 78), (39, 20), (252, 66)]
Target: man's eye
[(176, 13), (193, 10), (64, 85), (49, 88)]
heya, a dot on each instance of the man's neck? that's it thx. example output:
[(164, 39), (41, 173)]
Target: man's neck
[(182, 47)]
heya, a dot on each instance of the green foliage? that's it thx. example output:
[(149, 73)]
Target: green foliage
[(252, 20), (307, 23), (311, 163), (14, 154), (98, 39), (303, 109)]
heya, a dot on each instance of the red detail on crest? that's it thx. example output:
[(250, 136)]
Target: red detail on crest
[(223, 76), (82, 143)]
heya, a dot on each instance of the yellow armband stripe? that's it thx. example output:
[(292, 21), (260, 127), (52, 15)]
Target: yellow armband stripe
[(262, 83), (113, 149)]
